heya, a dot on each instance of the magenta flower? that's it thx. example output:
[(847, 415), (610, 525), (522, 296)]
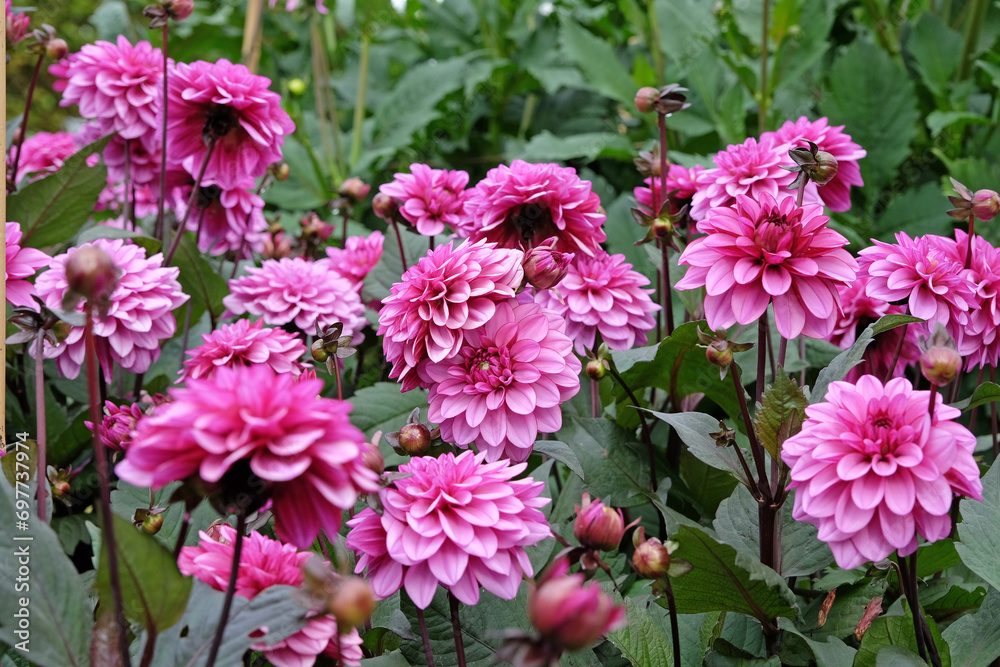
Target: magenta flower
[(873, 471), (923, 271), (139, 317), (225, 218), (603, 294), (682, 183), (224, 101), (119, 86), (17, 25), (771, 252), (569, 613), (359, 255), (21, 264), (115, 430), (291, 5), (299, 291), (430, 198), (836, 194), (522, 205), (978, 340), (301, 445), (448, 293), (42, 154), (457, 521), (265, 563), (244, 343), (506, 383), (144, 161)]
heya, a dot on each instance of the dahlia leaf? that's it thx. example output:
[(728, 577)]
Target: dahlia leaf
[(599, 63), (979, 538), (888, 322), (896, 632), (780, 414), (561, 452), (849, 606), (547, 147), (975, 638), (987, 392), (830, 653), (613, 462), (693, 429), (198, 279), (383, 407), (944, 601), (645, 639)]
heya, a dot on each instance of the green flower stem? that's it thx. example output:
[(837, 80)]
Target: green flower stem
[(977, 13), (359, 105)]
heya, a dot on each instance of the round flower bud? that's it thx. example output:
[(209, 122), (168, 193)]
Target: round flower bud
[(545, 267), (598, 526), (719, 354), (60, 488), (282, 171), (56, 49), (384, 206), (297, 86), (825, 169), (90, 273), (318, 352), (651, 559), (415, 439), (351, 603), (940, 364), (645, 98), (179, 9), (151, 524), (354, 189), (569, 613), (596, 369), (372, 458), (985, 204)]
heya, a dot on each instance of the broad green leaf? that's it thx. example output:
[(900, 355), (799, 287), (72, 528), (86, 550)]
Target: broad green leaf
[(987, 392), (898, 656), (394, 659), (944, 601), (917, 210), (888, 322), (693, 429), (199, 280), (614, 464), (979, 539), (848, 607), (305, 188), (887, 631), (686, 28), (561, 452), (154, 592), (644, 641), (936, 51), (547, 147), (941, 120), (936, 556), (830, 653), (780, 414), (597, 61), (975, 638), (724, 580), (59, 614), (52, 209), (383, 407)]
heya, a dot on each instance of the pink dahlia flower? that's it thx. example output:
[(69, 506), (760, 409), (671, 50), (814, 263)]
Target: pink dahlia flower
[(296, 290), (978, 340), (42, 154), (836, 194), (21, 265), (292, 5), (522, 205), (860, 310), (769, 252), (455, 520), (115, 430), (139, 317), (227, 102), (225, 218), (143, 165), (145, 201), (119, 86), (506, 383), (682, 183), (926, 273), (569, 613), (244, 343), (359, 255), (301, 445), (448, 293), (752, 169), (603, 295), (430, 198), (873, 471), (17, 25), (265, 563)]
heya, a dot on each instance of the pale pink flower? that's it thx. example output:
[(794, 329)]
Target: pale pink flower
[(506, 383), (244, 343), (21, 265), (301, 445), (42, 153), (265, 563), (294, 290), (522, 205), (228, 102), (359, 255), (17, 25), (116, 427), (682, 183), (755, 254), (118, 85), (146, 201), (836, 194), (457, 521), (923, 271), (569, 613), (873, 471), (225, 218), (603, 295), (448, 293), (430, 198), (752, 169), (139, 316)]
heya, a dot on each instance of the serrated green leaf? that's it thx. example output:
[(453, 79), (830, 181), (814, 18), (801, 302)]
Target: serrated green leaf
[(597, 61), (886, 631), (975, 638), (561, 452), (643, 641), (936, 51), (780, 414), (830, 653), (979, 539), (199, 280), (614, 464)]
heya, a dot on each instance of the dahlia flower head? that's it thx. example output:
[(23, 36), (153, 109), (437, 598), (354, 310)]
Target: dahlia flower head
[(682, 183), (292, 5), (874, 471), (265, 563), (302, 446), (860, 310), (17, 25), (977, 339), (570, 613), (755, 254), (139, 315), (144, 199), (457, 521), (21, 265), (244, 343), (227, 101), (144, 159), (522, 205), (445, 295), (294, 290), (42, 153), (115, 429), (753, 169), (429, 198), (602, 295), (118, 85), (926, 274), (836, 194), (358, 257), (225, 218), (506, 384)]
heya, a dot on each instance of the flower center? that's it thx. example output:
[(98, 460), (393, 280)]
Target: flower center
[(488, 369), (533, 223), (219, 122)]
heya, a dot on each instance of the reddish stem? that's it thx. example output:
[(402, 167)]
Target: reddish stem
[(181, 228), (23, 131), (159, 231), (227, 604), (40, 425)]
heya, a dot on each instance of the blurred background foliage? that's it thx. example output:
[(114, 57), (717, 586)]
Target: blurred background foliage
[(470, 83)]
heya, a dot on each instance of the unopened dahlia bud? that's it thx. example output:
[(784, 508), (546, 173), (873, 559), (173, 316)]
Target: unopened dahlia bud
[(825, 169), (354, 189), (351, 603), (568, 613), (414, 439), (384, 206), (985, 204), (940, 365), (651, 558), (645, 98), (596, 369), (671, 99), (297, 86), (318, 352), (719, 354), (152, 523), (282, 171), (598, 526), (545, 267), (372, 458), (90, 274), (179, 9), (56, 49)]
